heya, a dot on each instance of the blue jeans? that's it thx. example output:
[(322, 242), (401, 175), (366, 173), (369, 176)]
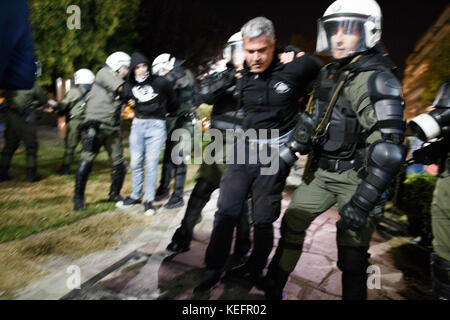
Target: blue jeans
[(147, 137)]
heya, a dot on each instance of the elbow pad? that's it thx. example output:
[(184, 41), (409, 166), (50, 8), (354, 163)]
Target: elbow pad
[(384, 161)]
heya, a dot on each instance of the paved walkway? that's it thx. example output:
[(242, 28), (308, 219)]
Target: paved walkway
[(140, 268)]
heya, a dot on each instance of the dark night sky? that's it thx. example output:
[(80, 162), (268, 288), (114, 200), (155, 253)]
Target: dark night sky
[(404, 21)]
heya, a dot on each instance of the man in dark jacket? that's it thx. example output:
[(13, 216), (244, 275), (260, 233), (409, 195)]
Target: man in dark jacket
[(269, 92), (218, 89), (152, 97)]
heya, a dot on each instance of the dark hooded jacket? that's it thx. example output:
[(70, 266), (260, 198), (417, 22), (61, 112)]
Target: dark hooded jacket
[(154, 96)]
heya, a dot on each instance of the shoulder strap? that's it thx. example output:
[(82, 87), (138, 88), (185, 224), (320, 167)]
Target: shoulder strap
[(80, 98), (333, 100)]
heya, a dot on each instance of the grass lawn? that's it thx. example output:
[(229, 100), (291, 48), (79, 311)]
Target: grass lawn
[(29, 208), (45, 209)]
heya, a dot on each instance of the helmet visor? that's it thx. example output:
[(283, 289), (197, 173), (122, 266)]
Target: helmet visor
[(341, 37), (234, 52), (237, 53)]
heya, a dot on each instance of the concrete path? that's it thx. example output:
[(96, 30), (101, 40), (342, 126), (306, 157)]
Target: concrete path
[(140, 268)]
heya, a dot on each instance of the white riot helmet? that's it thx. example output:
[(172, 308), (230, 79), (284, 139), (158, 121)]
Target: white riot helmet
[(350, 17), (117, 60), (163, 63), (234, 49), (84, 76)]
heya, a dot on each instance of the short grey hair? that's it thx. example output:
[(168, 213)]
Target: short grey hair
[(257, 27)]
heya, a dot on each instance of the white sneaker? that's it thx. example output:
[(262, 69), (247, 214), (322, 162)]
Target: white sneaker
[(119, 204), (149, 209)]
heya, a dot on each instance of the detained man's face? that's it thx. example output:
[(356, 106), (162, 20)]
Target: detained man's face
[(140, 70), (258, 53), (344, 44)]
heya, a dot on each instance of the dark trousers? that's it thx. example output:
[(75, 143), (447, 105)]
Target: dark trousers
[(239, 181), (17, 130)]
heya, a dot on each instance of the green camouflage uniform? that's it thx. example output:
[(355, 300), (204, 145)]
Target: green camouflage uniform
[(332, 182), (20, 118), (103, 107), (73, 105)]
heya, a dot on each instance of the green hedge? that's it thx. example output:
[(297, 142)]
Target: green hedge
[(416, 198)]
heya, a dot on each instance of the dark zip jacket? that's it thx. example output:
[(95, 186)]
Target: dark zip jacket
[(270, 99)]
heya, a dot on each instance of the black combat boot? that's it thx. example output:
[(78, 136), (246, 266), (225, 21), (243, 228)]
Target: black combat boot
[(118, 173), (4, 176), (32, 175), (274, 282), (182, 238), (176, 200), (64, 170), (80, 184), (440, 274), (209, 279), (353, 262)]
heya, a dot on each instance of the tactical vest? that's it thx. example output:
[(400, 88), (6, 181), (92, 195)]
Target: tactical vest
[(343, 137), (185, 88)]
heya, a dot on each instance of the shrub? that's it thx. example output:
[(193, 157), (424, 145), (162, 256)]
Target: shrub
[(416, 196)]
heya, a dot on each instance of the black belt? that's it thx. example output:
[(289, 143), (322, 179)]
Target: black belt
[(336, 165), (144, 117)]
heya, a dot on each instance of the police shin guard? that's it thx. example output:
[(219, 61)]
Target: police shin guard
[(353, 263), (118, 173), (80, 184), (440, 272), (176, 200)]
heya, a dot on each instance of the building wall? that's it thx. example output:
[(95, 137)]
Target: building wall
[(416, 64)]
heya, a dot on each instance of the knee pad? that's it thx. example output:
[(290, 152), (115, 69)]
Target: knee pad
[(353, 260)]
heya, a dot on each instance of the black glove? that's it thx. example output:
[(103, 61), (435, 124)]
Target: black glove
[(352, 217)]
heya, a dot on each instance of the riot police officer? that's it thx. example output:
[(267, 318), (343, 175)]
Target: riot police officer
[(72, 106), (101, 127), (20, 118), (436, 124), (353, 131), (184, 85)]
